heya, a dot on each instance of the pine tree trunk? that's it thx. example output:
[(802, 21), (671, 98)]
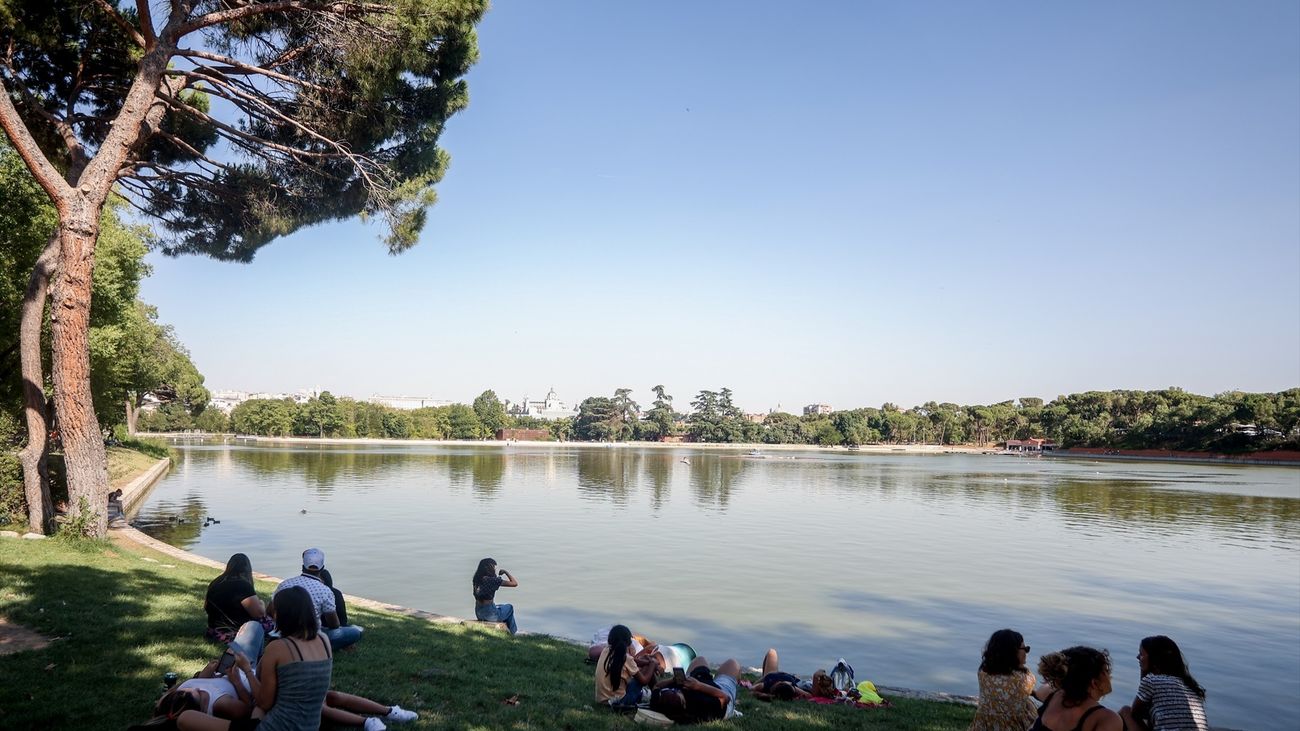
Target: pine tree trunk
[(83, 443), (34, 457)]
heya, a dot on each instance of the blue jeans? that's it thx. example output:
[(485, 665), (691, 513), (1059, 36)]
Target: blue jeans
[(249, 641), (341, 637), (633, 695), (497, 613)]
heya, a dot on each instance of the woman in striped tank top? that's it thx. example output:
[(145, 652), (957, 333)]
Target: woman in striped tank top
[(1168, 698)]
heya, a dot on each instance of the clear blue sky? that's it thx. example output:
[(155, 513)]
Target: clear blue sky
[(847, 203)]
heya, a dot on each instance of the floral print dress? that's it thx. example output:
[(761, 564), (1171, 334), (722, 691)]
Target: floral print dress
[(1006, 702)]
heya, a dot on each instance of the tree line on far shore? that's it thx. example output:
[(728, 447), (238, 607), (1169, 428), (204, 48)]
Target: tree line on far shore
[(1171, 419)]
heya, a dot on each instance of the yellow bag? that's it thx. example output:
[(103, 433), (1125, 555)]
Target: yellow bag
[(867, 689)]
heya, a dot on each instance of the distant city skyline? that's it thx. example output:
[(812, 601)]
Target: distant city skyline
[(898, 203), (679, 404)]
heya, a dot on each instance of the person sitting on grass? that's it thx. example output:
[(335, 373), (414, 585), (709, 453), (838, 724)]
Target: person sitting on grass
[(1007, 687), (228, 696), (622, 671), (1082, 677), (1168, 697), (231, 601), (292, 679), (486, 582), (339, 634)]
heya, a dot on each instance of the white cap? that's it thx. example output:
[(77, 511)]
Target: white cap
[(313, 558)]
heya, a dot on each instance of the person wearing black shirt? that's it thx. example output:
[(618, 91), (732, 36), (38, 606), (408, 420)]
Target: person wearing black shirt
[(231, 600)]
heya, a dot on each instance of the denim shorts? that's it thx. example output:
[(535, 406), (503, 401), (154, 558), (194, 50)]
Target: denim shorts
[(728, 686)]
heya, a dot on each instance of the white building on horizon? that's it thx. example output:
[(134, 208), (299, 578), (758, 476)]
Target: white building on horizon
[(409, 403), (226, 400), (551, 408)]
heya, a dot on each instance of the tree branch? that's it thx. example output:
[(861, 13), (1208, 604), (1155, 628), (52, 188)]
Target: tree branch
[(246, 68), (146, 22), (75, 149), (122, 22), (187, 147), (248, 11), (45, 173), (252, 139), (255, 106)]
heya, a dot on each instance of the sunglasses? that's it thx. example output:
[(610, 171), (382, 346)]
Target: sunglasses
[(1025, 648)]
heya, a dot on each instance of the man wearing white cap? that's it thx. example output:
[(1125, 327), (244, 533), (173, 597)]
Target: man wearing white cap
[(313, 560)]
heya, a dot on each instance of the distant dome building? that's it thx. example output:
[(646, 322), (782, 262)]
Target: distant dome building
[(551, 409)]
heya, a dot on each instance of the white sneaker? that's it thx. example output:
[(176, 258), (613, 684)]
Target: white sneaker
[(401, 715), (374, 724)]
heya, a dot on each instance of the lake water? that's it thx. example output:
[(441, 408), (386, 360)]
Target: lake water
[(901, 564)]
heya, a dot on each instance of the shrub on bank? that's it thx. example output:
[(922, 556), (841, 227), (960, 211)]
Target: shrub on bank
[(13, 504), (155, 448)]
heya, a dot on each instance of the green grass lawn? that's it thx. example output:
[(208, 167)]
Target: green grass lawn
[(121, 616)]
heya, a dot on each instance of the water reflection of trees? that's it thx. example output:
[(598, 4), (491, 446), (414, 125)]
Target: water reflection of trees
[(658, 469), (713, 477), (483, 471), (608, 474), (1143, 504), (321, 469), (177, 524), (1136, 502)]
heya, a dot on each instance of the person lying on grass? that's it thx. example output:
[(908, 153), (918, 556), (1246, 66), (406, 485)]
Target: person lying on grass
[(701, 696), (290, 687), (776, 685)]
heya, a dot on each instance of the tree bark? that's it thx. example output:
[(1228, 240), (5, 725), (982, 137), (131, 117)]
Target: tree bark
[(83, 442), (130, 414), (35, 456)]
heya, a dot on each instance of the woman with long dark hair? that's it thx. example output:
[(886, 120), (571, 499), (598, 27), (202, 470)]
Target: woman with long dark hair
[(231, 601), (624, 669), (487, 579), (228, 696), (292, 679), (1081, 676), (1168, 697), (1007, 687)]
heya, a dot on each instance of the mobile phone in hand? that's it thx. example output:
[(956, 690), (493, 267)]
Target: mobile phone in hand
[(679, 676), (227, 659)]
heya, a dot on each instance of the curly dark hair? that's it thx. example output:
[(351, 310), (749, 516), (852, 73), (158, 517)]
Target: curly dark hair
[(1002, 653), (1073, 670)]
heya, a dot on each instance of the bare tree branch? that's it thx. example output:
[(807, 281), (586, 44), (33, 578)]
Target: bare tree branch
[(292, 152), (121, 21), (45, 173), (247, 68), (76, 151), (187, 147), (257, 107), (248, 11), (146, 22)]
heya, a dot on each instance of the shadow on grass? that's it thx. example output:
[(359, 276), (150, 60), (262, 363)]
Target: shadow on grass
[(115, 632)]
